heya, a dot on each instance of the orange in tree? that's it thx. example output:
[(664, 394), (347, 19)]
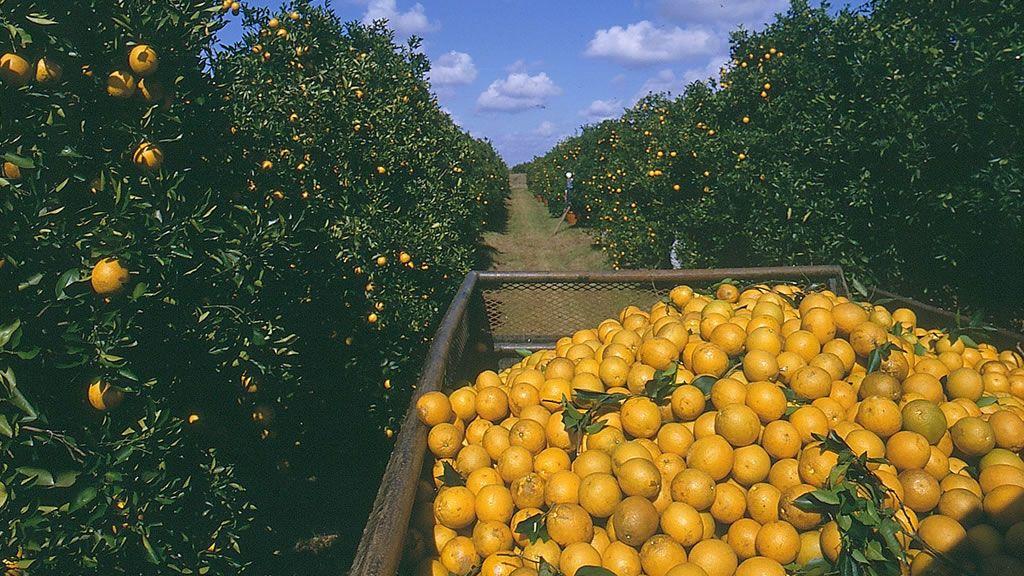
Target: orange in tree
[(120, 84), (15, 70), (108, 277), (143, 60), (102, 396), (12, 171), (48, 71), (148, 157)]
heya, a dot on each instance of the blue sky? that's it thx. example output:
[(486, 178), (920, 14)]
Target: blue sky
[(526, 73)]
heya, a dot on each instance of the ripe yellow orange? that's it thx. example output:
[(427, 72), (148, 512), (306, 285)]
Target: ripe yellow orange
[(143, 60), (15, 70), (121, 84), (108, 277), (148, 157), (102, 396)]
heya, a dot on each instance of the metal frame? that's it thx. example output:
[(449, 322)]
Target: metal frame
[(380, 549)]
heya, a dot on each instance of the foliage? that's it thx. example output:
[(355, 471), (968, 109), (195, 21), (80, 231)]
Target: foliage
[(267, 309), (854, 498), (886, 139)]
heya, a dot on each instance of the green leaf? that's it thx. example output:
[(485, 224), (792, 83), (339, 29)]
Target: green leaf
[(82, 498), (19, 161), (66, 279), (40, 19), (5, 427), (919, 350), (450, 476), (859, 287), (151, 553), (704, 383), (14, 395), (986, 401), (534, 528), (7, 330), (523, 352), (968, 341), (36, 476)]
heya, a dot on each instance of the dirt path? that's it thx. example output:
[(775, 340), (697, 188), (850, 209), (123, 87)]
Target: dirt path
[(528, 242)]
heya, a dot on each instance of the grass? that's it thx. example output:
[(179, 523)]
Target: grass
[(529, 242)]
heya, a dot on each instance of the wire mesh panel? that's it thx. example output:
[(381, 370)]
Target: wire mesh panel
[(527, 315)]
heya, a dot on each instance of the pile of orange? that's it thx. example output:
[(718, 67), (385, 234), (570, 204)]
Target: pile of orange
[(704, 484)]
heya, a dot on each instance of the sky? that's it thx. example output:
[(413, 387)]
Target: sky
[(527, 73)]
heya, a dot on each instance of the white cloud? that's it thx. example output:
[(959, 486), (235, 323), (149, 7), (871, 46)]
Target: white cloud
[(664, 81), (750, 13), (453, 68), (602, 110), (644, 43), (710, 70), (517, 92), (412, 21), (546, 128)]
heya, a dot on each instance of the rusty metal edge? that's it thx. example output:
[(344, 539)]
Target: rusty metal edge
[(380, 548), (826, 272)]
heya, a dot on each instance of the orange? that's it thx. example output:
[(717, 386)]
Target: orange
[(760, 365), (658, 353), (709, 359), (834, 365), (741, 537), (729, 337), (751, 465), (866, 442), (767, 400), (760, 566), (809, 422), (660, 554), (880, 384), (830, 541), (1008, 429), (561, 488), (143, 60), (444, 440), (779, 541), (965, 383), (494, 502), (613, 371), (549, 550), (961, 505), (687, 403), (763, 502), (635, 520), (713, 455), (120, 84), (804, 344), (728, 391), (621, 559), (924, 418), (15, 70), (848, 316), (789, 512), (695, 488), (785, 473), (715, 557), (880, 415), (819, 322), (490, 537), (1004, 505), (108, 277), (639, 477), (459, 556), (454, 507), (472, 458), (568, 524), (527, 491), (815, 464), (552, 392), (921, 491), (866, 337), (592, 462), (738, 424), (103, 396), (675, 438), (781, 439), (942, 533), (640, 417), (907, 450), (492, 404), (996, 475), (501, 564), (730, 503), (763, 338), (682, 522), (463, 404), (550, 461), (973, 436), (515, 462), (811, 382)]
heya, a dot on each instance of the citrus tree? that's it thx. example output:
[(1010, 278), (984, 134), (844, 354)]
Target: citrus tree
[(109, 260), (886, 139)]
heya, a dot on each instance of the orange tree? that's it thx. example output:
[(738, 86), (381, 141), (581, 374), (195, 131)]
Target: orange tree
[(109, 261), (887, 140), (371, 202)]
